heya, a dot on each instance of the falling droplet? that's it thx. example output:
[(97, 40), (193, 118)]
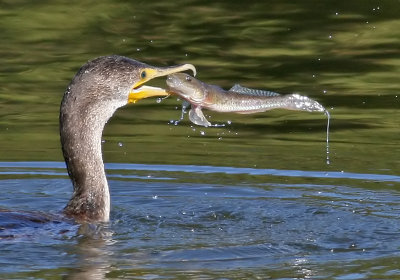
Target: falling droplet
[(328, 161)]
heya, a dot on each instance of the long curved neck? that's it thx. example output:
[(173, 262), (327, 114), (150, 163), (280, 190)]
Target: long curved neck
[(82, 153), (81, 127)]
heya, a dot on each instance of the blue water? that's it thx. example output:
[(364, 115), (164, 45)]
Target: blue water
[(254, 199), (168, 219), (25, 166)]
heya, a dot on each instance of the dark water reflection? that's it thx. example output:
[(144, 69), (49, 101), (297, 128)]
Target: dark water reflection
[(254, 199)]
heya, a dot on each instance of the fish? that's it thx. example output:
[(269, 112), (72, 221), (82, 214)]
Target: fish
[(238, 99)]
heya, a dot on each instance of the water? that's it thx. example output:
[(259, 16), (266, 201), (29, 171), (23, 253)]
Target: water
[(254, 199), (167, 222)]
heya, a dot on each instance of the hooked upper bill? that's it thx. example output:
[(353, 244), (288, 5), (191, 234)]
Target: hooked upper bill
[(139, 91)]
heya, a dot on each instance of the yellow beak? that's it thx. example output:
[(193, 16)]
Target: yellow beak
[(139, 91)]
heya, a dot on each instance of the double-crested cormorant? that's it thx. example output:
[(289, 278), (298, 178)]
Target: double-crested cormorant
[(99, 88)]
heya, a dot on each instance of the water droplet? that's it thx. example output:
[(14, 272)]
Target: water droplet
[(229, 122), (328, 116), (155, 196), (202, 133), (158, 100), (120, 144)]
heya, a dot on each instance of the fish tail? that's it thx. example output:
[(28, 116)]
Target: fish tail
[(303, 103)]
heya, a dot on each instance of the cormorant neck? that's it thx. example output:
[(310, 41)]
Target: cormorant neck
[(81, 126)]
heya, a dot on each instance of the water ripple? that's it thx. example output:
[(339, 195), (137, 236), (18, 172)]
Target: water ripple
[(194, 169)]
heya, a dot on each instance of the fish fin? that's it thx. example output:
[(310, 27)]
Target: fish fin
[(196, 116), (252, 92)]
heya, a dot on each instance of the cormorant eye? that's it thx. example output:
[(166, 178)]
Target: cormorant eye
[(143, 74), (188, 78)]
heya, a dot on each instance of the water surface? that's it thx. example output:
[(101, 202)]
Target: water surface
[(253, 199)]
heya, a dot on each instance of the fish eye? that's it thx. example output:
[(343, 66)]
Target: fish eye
[(188, 78), (143, 75)]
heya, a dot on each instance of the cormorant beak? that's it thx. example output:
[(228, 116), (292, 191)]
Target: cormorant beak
[(139, 91)]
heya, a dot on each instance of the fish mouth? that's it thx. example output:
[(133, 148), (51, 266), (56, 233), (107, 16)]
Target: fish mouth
[(147, 73), (171, 82), (186, 87), (176, 83)]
